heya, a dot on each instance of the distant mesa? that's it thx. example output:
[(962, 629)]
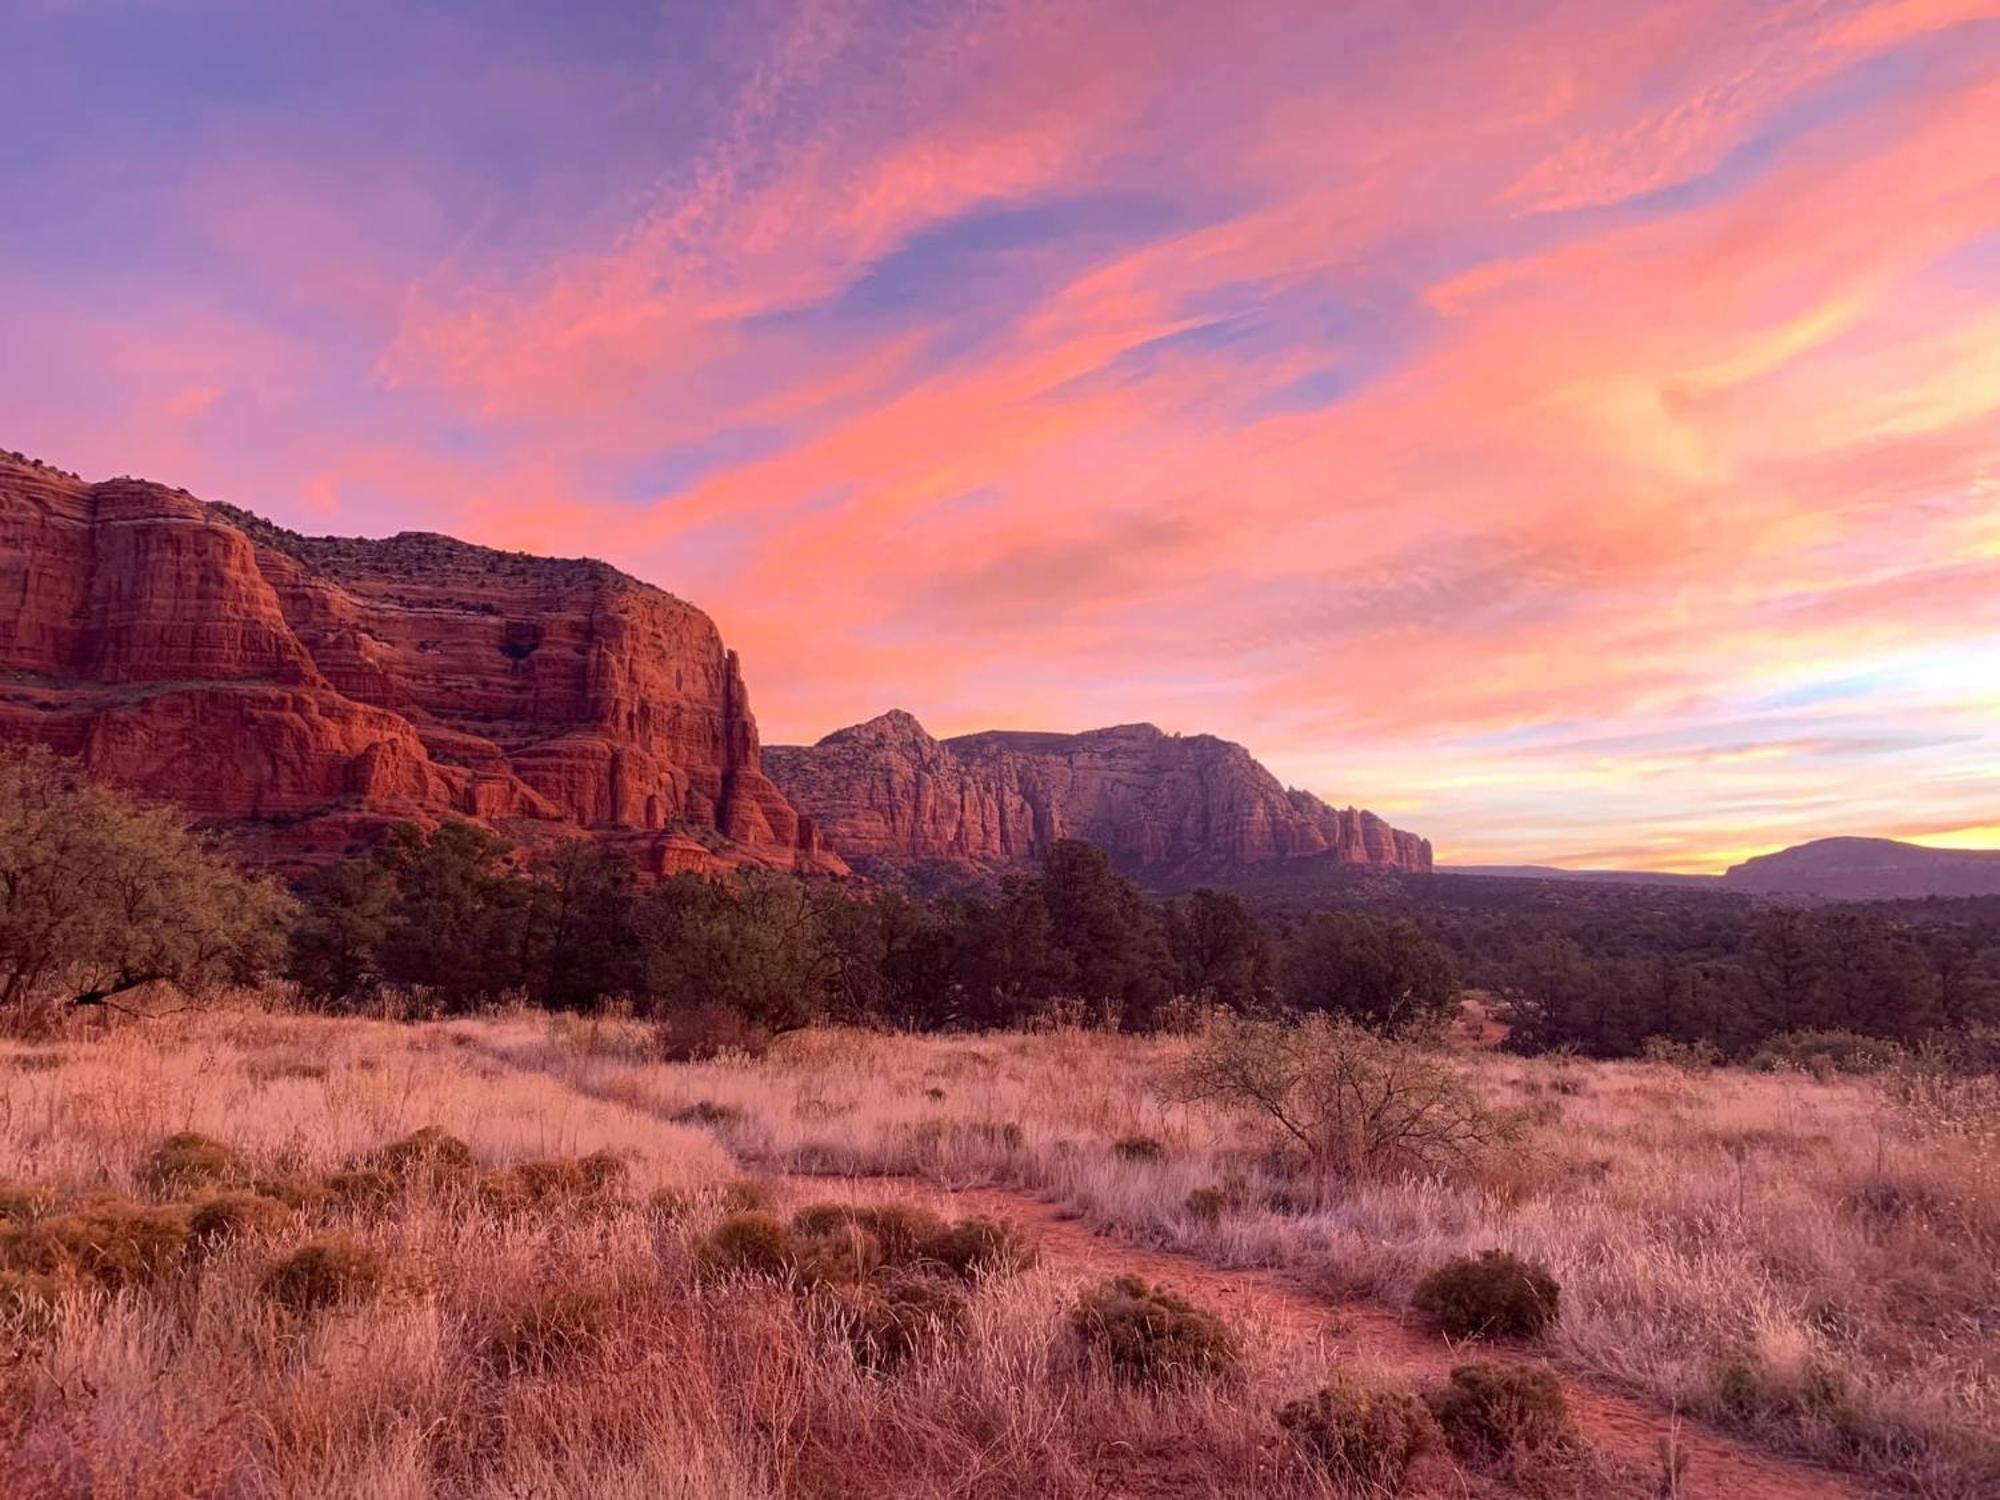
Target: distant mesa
[(311, 689), (1863, 869), (886, 792)]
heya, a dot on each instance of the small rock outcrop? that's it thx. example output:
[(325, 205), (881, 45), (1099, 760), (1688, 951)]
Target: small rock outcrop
[(309, 688), (886, 791)]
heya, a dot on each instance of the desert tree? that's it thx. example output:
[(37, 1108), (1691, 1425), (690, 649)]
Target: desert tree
[(1341, 1101), (101, 896)]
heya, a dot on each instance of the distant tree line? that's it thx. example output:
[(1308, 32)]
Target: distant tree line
[(454, 917), (101, 898)]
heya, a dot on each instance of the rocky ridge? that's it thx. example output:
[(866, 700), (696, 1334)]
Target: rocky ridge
[(886, 792), (309, 688)]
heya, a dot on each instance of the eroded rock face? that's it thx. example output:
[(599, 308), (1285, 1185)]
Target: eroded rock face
[(886, 790), (311, 686)]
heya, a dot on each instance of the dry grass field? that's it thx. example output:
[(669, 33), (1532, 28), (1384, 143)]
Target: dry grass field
[(1770, 1285)]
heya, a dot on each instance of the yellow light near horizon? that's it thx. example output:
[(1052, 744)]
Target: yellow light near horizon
[(1983, 836)]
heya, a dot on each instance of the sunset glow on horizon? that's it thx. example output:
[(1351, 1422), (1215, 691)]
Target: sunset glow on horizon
[(1570, 430)]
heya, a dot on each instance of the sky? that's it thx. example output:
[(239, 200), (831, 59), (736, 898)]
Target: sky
[(1571, 430)]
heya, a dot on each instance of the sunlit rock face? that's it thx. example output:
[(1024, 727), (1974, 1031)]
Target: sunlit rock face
[(886, 790), (312, 688)]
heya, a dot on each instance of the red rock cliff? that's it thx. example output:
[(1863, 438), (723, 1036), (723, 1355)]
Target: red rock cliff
[(886, 790), (309, 686)]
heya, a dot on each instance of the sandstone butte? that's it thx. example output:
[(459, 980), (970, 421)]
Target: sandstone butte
[(306, 691), (1165, 805)]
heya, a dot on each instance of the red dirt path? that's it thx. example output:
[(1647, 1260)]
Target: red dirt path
[(1719, 1467)]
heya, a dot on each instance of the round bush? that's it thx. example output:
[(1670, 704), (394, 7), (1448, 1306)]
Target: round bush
[(186, 1160), (751, 1243), (428, 1152), (1361, 1437), (897, 1319), (975, 1246), (321, 1274), (1139, 1148), (1490, 1409), (1147, 1335), (1490, 1295), (112, 1241), (230, 1216)]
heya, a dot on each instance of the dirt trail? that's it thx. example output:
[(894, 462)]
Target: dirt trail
[(1719, 1467)]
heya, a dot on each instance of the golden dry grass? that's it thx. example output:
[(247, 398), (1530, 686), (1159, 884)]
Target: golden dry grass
[(1799, 1260)]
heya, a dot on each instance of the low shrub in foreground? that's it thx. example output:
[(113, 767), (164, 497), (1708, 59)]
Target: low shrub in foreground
[(1359, 1436), (975, 1246), (1139, 1148), (24, 1202), (187, 1160), (112, 1241), (897, 1318), (554, 1329), (428, 1152), (230, 1216), (321, 1274), (1490, 1295), (1490, 1410), (751, 1243), (1148, 1335)]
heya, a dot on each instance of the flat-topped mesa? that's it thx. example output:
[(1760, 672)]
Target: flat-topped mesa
[(885, 790), (315, 685)]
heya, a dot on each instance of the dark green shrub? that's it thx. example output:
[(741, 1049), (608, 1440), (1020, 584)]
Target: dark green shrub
[(898, 1318), (555, 1329), (363, 1187), (555, 1182), (903, 1232), (1139, 1148), (1147, 1335), (1826, 1053), (187, 1160), (702, 1112), (751, 1243), (1210, 1205), (323, 1273), (1488, 1410), (975, 1246), (230, 1216), (842, 1254), (1491, 1295), (1360, 1436), (112, 1241), (428, 1152), (24, 1202)]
